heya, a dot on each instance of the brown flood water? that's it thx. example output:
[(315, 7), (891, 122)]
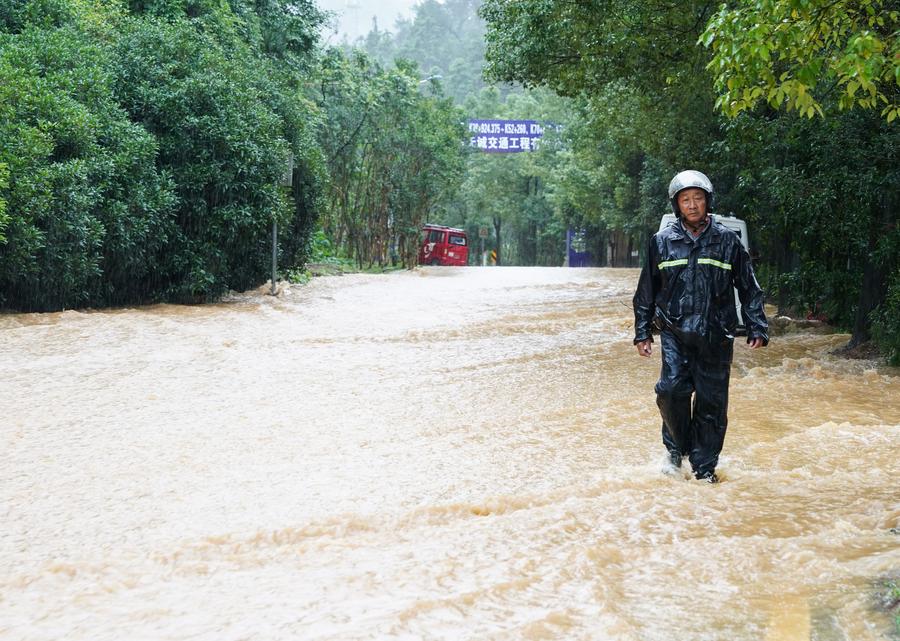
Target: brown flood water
[(468, 453)]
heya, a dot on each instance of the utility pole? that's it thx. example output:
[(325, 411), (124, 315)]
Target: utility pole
[(287, 180), (274, 254)]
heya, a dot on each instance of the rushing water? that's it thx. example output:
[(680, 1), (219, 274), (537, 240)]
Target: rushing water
[(468, 453)]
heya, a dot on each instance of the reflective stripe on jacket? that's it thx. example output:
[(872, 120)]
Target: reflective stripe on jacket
[(688, 285)]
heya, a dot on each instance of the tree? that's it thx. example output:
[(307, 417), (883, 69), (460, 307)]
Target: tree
[(811, 56), (444, 39), (822, 58), (87, 207), (147, 143), (822, 200), (823, 193), (644, 104), (394, 151), (509, 191), (576, 47)]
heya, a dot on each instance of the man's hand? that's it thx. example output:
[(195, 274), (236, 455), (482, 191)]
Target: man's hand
[(644, 348), (756, 343)]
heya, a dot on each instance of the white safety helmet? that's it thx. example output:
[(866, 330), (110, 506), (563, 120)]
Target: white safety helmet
[(690, 178)]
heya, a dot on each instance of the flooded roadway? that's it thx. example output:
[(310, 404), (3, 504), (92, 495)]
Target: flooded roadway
[(446, 454)]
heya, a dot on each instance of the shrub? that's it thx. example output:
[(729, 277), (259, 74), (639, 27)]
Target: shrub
[(87, 209)]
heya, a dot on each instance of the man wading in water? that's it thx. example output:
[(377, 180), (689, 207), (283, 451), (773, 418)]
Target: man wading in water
[(686, 291)]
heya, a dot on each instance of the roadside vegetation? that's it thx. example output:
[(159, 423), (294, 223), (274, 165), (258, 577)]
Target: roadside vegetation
[(790, 106), (145, 143)]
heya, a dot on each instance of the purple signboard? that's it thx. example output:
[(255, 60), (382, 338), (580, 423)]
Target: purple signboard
[(505, 136)]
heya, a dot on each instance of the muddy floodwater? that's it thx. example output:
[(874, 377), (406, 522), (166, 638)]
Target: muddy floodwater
[(450, 453)]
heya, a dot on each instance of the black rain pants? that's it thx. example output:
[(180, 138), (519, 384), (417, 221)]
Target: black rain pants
[(695, 429)]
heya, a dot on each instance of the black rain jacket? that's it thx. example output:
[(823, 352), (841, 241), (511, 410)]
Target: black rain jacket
[(687, 286)]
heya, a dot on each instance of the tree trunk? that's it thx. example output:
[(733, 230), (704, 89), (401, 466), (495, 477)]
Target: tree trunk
[(784, 262), (874, 283), (598, 248), (531, 244)]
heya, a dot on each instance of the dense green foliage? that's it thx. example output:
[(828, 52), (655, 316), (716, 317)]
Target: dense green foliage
[(394, 151), (145, 144), (805, 55), (821, 200), (145, 148), (505, 193), (84, 194)]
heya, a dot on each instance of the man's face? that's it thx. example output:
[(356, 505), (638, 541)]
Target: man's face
[(692, 203)]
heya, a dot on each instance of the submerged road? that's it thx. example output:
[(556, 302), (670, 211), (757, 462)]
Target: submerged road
[(450, 453)]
